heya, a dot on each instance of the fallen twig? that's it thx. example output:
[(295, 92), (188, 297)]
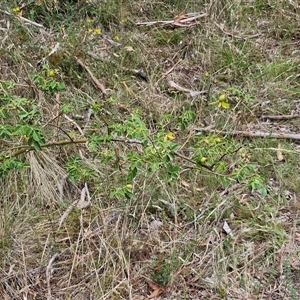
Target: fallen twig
[(275, 135), (48, 275), (182, 20), (172, 68), (280, 117), (74, 123), (95, 80), (15, 151), (221, 27), (55, 49), (26, 148), (24, 19), (185, 90), (66, 213)]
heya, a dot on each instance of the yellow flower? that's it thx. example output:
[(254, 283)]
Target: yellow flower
[(51, 73), (223, 101), (129, 186), (222, 97), (169, 136), (123, 21), (203, 159), (206, 74), (224, 104), (16, 9), (89, 21), (97, 31), (116, 38), (90, 30)]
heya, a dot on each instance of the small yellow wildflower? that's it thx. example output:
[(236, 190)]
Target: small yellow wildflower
[(206, 74), (224, 104), (123, 21), (203, 159), (116, 38), (223, 101), (222, 97), (16, 9), (51, 73), (90, 30), (169, 136), (97, 31), (129, 186), (89, 21)]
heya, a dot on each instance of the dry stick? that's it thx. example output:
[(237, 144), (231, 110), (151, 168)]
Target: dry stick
[(172, 68), (191, 17), (95, 80), (288, 136), (188, 92), (23, 19), (57, 112), (74, 123), (24, 148), (48, 275), (66, 213), (280, 117), (236, 36)]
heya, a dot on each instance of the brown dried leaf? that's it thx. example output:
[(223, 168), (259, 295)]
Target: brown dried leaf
[(179, 17), (152, 285), (156, 293), (157, 290)]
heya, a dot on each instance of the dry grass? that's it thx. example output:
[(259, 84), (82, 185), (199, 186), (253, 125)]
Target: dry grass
[(170, 234)]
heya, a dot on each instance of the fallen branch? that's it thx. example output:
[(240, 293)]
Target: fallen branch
[(280, 117), (188, 92), (182, 20), (274, 135), (24, 19), (95, 80), (74, 123), (25, 148)]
